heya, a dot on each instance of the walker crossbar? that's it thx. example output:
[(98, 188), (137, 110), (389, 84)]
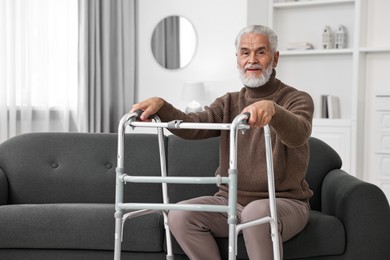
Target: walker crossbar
[(181, 125), (140, 209), (178, 180), (165, 207)]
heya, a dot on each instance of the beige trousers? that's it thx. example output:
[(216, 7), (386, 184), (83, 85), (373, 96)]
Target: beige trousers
[(195, 231)]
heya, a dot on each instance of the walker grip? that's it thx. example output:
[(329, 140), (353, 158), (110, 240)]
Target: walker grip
[(139, 113), (246, 121)]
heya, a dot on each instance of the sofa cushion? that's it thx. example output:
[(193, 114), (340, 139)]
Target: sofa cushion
[(76, 167), (76, 226), (3, 188), (68, 254), (191, 158), (323, 159), (324, 235)]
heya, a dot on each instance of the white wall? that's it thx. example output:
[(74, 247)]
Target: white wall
[(217, 23), (258, 12)]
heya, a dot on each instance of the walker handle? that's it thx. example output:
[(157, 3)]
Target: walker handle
[(139, 113), (248, 115)]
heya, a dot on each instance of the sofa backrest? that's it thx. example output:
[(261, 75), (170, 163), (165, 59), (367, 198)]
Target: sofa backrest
[(191, 158), (76, 167), (200, 158), (80, 168)]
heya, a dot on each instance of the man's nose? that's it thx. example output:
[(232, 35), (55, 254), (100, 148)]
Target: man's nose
[(252, 58)]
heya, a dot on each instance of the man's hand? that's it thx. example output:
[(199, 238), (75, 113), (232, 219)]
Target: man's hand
[(149, 106), (261, 113)]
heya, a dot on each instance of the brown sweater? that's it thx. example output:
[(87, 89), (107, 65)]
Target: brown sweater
[(290, 130)]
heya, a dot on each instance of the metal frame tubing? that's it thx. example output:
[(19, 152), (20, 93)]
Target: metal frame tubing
[(272, 220), (119, 184), (239, 123)]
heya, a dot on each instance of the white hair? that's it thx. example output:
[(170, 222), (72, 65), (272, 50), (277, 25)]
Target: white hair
[(259, 29)]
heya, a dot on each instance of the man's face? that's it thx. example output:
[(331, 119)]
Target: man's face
[(255, 59)]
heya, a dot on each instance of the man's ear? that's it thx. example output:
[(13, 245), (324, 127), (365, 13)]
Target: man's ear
[(276, 59)]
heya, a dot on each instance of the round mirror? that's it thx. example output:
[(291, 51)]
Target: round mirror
[(174, 42)]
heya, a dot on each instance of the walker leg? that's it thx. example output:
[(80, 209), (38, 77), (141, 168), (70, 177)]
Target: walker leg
[(275, 240), (118, 235), (170, 255), (271, 192), (232, 242)]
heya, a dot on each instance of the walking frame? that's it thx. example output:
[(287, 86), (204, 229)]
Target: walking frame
[(124, 211)]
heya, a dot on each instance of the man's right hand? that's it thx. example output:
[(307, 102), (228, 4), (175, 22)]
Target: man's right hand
[(150, 107)]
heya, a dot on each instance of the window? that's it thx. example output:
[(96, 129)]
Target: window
[(38, 64)]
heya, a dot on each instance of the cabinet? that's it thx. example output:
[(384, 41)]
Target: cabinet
[(320, 71), (338, 136), (375, 63), (358, 75)]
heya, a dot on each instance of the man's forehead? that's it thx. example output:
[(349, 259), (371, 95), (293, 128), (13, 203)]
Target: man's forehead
[(252, 40)]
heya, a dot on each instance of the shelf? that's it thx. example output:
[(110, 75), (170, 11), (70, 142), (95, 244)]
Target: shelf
[(383, 94), (315, 52), (332, 122), (311, 3), (375, 49), (327, 71)]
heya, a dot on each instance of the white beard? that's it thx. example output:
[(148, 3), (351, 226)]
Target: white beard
[(253, 82)]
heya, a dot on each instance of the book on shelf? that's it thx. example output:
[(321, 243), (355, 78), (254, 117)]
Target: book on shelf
[(299, 46), (330, 107)]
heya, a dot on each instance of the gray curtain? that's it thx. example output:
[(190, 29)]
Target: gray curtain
[(166, 42), (107, 63)]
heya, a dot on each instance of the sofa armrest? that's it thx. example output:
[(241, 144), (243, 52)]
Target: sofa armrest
[(3, 188), (363, 209)]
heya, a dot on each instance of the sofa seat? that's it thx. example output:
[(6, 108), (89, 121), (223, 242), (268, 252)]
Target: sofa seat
[(324, 235), (76, 226)]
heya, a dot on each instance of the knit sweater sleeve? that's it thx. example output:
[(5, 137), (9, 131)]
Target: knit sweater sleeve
[(292, 121)]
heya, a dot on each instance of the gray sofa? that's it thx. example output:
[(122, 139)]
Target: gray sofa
[(57, 194)]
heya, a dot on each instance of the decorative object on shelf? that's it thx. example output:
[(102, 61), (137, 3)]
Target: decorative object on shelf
[(194, 92), (330, 107), (341, 37), (299, 46), (327, 38)]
